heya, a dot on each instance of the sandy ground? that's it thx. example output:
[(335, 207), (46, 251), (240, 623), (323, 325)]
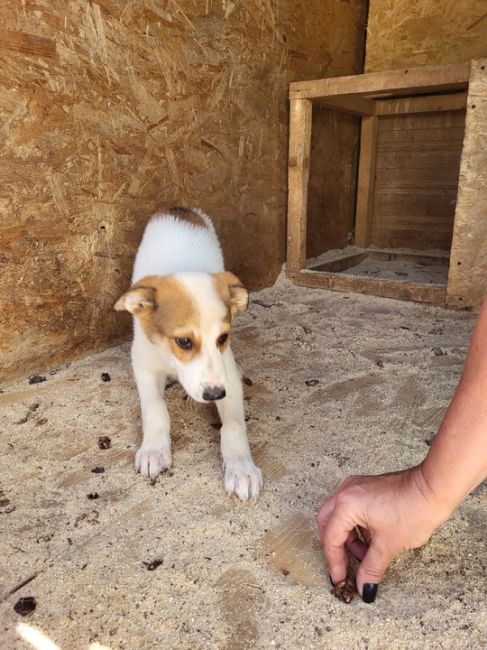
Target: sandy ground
[(402, 269), (342, 384), (407, 264)]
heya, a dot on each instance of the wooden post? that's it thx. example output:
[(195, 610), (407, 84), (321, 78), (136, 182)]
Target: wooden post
[(298, 175), (467, 278), (366, 181)]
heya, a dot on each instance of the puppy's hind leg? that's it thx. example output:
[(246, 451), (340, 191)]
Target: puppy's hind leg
[(242, 477), (154, 454)]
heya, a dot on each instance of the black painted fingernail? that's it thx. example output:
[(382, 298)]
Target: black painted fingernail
[(332, 583), (369, 592)]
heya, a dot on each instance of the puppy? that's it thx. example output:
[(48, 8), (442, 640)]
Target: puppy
[(183, 303)]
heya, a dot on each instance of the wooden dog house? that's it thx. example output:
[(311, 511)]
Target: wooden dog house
[(420, 196)]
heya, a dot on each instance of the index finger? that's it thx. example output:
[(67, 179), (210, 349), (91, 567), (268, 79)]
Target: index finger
[(334, 533)]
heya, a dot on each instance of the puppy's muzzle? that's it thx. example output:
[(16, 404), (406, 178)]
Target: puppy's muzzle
[(212, 394)]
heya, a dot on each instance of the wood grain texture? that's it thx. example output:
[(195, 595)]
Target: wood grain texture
[(366, 181), (111, 110), (422, 79), (416, 179), (404, 33), (300, 119), (332, 180), (422, 104), (399, 289), (467, 280)]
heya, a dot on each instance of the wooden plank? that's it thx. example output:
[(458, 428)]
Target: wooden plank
[(407, 253), (366, 176), (420, 79), (424, 178), (431, 239), (415, 144), (428, 122), (467, 281), (399, 289), (418, 160), (450, 133), (353, 104), (428, 104), (298, 176), (341, 263), (416, 180)]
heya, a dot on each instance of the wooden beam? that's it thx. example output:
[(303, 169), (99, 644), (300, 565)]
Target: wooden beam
[(467, 279), (421, 79), (341, 263), (352, 104), (430, 104), (398, 289), (366, 181), (298, 176)]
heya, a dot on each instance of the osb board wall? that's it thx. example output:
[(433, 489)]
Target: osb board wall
[(405, 33), (110, 110), (416, 180), (467, 280)]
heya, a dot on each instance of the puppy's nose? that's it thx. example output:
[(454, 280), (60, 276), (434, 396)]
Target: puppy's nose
[(212, 394)]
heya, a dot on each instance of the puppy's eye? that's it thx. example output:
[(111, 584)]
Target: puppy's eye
[(221, 340), (184, 343)]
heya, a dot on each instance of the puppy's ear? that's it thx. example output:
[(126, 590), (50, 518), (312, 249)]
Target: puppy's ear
[(236, 292), (137, 300)]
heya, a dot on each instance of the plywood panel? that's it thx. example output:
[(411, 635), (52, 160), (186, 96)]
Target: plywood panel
[(467, 281), (332, 181), (110, 110), (404, 33), (417, 166)]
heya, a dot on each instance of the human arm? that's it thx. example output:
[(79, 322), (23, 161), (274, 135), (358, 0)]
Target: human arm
[(399, 511)]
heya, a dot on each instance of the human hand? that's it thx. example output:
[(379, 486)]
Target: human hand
[(393, 512)]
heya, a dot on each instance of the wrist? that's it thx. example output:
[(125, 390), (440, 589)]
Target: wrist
[(438, 501)]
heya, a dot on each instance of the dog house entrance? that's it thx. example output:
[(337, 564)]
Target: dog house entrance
[(412, 132)]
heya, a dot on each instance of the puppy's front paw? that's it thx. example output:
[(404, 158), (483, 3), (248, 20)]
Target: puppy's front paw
[(242, 478), (151, 461)]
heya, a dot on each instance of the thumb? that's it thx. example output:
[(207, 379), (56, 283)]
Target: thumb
[(372, 569)]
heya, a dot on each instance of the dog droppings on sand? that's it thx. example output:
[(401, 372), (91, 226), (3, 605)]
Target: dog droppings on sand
[(105, 376), (98, 470), (93, 495), (261, 303), (104, 442), (36, 379), (153, 564), (312, 382), (25, 605), (344, 590)]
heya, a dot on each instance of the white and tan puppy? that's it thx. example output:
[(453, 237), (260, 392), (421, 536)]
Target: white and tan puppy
[(183, 303)]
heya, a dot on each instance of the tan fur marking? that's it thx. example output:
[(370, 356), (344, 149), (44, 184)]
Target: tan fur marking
[(175, 315), (231, 291), (188, 215)]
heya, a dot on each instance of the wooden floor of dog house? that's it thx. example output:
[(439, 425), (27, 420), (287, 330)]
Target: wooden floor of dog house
[(336, 384), (422, 274)]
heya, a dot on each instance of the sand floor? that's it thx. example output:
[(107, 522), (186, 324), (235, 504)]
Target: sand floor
[(341, 384)]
